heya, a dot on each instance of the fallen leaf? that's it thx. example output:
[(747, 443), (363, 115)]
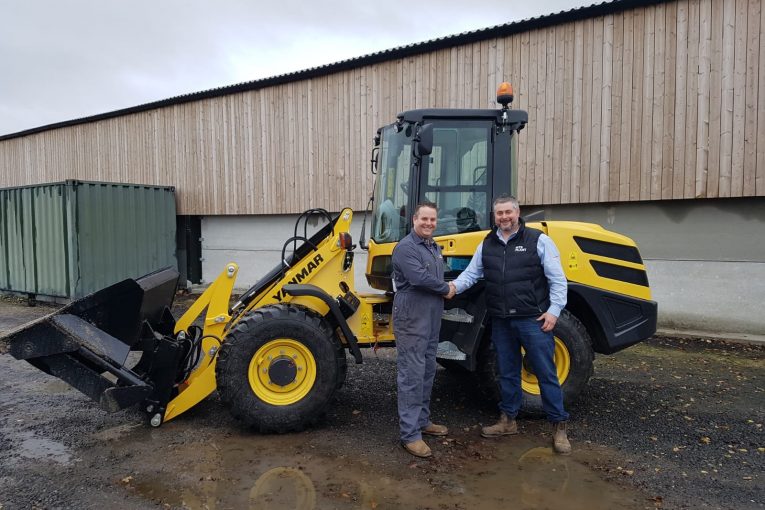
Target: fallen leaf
[(127, 479), (705, 440), (356, 411)]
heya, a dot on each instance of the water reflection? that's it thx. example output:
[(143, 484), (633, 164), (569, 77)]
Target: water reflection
[(286, 473), (283, 487)]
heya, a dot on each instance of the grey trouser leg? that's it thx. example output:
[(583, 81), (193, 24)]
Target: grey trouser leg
[(416, 324), (430, 364)]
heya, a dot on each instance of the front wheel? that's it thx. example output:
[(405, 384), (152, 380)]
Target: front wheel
[(279, 368), (573, 361)]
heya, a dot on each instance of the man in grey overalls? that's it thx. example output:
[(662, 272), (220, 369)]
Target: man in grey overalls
[(418, 275)]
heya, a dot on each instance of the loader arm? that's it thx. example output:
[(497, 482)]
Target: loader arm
[(201, 382), (323, 262)]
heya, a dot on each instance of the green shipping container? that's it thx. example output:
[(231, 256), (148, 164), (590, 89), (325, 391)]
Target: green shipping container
[(68, 239)]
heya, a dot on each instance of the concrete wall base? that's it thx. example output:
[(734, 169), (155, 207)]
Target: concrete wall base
[(704, 258)]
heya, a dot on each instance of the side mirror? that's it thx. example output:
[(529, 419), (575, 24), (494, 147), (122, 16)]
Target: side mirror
[(424, 139)]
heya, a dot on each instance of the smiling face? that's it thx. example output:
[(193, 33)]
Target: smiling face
[(425, 222), (506, 216)]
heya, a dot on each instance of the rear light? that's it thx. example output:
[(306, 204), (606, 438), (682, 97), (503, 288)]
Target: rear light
[(345, 241)]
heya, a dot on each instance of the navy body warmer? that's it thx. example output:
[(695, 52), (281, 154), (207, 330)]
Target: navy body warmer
[(515, 280)]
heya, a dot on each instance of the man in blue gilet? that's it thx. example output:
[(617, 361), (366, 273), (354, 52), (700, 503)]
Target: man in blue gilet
[(525, 294)]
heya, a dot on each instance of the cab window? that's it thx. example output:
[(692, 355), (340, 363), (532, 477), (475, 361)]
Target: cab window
[(456, 177)]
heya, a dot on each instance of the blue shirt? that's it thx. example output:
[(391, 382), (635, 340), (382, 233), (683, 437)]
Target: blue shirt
[(548, 254)]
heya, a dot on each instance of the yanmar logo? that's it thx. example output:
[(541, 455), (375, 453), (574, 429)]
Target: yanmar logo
[(302, 275), (520, 248)]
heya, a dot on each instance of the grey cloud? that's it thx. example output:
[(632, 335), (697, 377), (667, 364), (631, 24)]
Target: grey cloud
[(68, 59)]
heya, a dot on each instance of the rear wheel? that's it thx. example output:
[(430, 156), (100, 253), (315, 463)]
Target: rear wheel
[(573, 361), (279, 368)]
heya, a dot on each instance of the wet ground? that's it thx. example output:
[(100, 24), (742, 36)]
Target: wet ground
[(665, 424)]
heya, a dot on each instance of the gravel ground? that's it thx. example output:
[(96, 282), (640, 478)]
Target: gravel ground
[(686, 417), (669, 423)]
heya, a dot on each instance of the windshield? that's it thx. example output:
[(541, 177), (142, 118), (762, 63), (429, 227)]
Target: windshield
[(457, 178), (389, 223)]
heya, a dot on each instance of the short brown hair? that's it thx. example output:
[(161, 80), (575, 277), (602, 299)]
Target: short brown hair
[(425, 204), (505, 198)]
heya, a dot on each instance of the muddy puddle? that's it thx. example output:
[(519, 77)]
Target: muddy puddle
[(33, 447), (295, 472)]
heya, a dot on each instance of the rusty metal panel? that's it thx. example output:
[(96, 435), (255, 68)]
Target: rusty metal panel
[(69, 239)]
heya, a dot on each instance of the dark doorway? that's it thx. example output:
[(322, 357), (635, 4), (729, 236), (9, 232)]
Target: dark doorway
[(189, 241)]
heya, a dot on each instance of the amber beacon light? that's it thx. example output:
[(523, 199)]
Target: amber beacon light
[(505, 94)]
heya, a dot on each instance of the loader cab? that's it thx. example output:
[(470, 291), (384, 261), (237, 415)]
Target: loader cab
[(458, 159)]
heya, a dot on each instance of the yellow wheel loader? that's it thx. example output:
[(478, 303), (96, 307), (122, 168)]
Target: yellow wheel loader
[(277, 355)]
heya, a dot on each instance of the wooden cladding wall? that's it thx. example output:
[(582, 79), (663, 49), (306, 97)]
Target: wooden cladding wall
[(660, 102)]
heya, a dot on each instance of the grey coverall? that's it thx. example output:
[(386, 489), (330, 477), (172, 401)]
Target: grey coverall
[(418, 272)]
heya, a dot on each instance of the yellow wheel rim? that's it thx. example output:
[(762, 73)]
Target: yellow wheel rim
[(529, 381), (282, 372)]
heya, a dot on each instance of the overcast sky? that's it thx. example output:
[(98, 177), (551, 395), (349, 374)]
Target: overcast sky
[(66, 59)]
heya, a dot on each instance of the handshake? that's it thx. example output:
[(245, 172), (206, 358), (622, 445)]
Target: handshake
[(452, 291)]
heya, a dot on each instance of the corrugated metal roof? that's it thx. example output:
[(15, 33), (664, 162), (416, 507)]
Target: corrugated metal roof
[(503, 30)]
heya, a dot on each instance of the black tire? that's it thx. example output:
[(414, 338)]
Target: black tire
[(578, 345), (272, 327)]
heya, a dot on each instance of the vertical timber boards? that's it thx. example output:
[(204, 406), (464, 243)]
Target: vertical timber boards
[(659, 102)]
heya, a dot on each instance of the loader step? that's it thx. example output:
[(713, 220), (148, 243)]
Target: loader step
[(448, 350), (457, 315)]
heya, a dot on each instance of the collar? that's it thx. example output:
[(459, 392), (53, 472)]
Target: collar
[(421, 240)]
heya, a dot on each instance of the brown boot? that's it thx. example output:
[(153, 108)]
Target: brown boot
[(434, 429), (418, 448), (504, 427), (560, 439)]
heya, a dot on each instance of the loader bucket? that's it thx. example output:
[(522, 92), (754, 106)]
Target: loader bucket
[(87, 342)]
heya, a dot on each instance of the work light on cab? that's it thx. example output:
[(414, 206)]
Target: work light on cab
[(505, 94)]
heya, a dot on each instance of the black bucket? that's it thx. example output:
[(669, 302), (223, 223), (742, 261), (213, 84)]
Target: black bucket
[(87, 342)]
